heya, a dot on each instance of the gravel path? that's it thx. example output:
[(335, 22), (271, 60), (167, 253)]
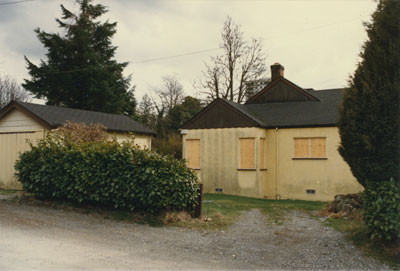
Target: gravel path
[(39, 238)]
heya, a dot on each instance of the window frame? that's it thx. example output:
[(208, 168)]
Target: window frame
[(254, 155), (187, 153)]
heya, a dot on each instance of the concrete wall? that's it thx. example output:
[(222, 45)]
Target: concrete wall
[(284, 178)]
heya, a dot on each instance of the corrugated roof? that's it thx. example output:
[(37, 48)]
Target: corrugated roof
[(56, 116), (296, 114)]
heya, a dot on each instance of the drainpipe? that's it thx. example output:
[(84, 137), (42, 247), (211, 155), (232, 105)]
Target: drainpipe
[(277, 162)]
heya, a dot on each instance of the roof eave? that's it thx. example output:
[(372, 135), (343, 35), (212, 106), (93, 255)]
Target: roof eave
[(117, 130), (300, 126), (134, 132)]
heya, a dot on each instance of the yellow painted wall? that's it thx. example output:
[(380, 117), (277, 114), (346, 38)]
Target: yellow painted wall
[(284, 178), (143, 141), (328, 177), (219, 161)]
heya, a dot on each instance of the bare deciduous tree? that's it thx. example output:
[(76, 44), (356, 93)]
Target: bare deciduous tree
[(241, 61), (171, 93), (167, 97), (10, 90)]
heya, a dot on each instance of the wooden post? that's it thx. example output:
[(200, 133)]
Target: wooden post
[(199, 208)]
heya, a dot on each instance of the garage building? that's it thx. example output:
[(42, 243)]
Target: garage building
[(20, 122)]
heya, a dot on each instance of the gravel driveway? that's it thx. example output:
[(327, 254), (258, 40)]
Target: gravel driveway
[(42, 238)]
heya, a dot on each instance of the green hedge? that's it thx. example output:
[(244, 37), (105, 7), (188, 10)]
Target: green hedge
[(108, 174), (382, 210)]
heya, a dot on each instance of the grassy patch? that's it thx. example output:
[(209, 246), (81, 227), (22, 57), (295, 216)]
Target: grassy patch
[(223, 210), (355, 230), (8, 191)]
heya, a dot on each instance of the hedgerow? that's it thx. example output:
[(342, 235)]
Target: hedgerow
[(107, 173)]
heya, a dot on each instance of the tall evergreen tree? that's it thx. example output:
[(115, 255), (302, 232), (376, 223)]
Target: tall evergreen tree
[(80, 71), (146, 112), (369, 122)]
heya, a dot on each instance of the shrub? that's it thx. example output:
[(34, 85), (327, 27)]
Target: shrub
[(107, 173), (170, 144), (382, 210), (80, 132)]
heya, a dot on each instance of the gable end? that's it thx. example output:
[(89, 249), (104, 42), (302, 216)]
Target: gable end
[(219, 114), (281, 90), (16, 106)]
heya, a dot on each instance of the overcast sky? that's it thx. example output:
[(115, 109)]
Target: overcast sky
[(317, 42)]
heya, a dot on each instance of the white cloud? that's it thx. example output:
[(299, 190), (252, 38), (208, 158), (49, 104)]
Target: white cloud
[(318, 42)]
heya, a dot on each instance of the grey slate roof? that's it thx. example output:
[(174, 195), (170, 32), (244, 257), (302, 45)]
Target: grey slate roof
[(296, 114), (56, 116), (244, 110)]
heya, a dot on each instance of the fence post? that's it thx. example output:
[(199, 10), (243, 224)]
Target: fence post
[(199, 207)]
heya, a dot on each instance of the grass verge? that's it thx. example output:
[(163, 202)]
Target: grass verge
[(8, 191), (356, 231), (220, 211), (93, 210)]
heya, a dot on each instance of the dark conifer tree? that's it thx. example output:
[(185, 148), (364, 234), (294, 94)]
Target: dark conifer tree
[(80, 70), (181, 113), (369, 122)]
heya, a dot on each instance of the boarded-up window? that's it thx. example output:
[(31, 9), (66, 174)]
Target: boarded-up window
[(193, 153), (247, 154), (311, 147), (318, 147), (301, 148), (262, 153)]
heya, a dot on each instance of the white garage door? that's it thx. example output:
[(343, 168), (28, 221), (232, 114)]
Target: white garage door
[(11, 145)]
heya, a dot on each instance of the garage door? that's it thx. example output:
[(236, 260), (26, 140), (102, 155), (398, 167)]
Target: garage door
[(11, 145)]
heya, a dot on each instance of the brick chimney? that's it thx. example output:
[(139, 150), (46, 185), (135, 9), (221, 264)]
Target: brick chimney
[(276, 71)]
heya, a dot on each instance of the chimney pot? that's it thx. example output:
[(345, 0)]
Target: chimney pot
[(276, 71)]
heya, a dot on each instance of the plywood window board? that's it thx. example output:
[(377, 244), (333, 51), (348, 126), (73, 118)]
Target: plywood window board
[(247, 153), (301, 148), (318, 147), (310, 147), (193, 153)]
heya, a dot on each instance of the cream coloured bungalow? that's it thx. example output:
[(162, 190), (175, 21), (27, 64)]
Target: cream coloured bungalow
[(281, 144), (20, 122)]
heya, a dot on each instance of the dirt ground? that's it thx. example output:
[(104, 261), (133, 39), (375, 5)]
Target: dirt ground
[(40, 238)]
